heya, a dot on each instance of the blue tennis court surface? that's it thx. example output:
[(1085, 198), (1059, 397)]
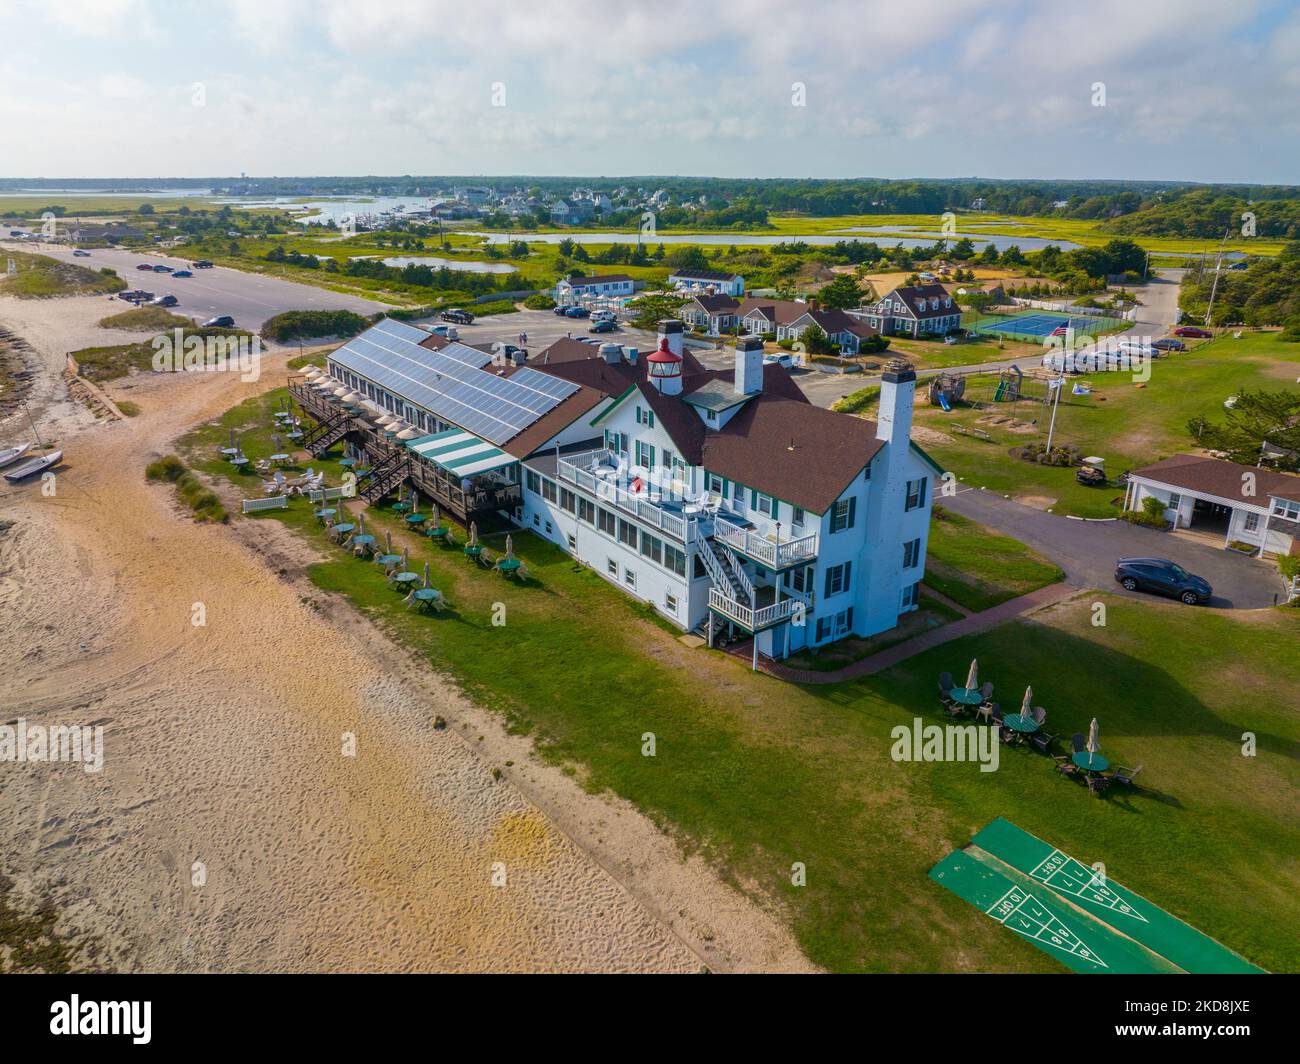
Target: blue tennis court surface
[(1039, 324)]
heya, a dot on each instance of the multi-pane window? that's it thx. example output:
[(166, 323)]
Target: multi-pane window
[(652, 547), (532, 481), (674, 560), (548, 490), (1287, 509), (586, 511), (843, 514), (627, 533), (837, 578), (911, 553), (568, 501), (606, 521), (916, 493)]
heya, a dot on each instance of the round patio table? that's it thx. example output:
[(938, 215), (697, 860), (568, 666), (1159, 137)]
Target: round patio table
[(1090, 762), (239, 461), (347, 463), (474, 549), (437, 532), (426, 594), (416, 519), (1018, 722), (295, 435), (387, 559), (364, 540), (322, 515), (508, 565), (229, 451), (402, 579), (279, 458), (967, 696), (343, 529), (401, 507)]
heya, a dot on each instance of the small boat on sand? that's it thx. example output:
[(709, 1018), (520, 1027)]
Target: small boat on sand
[(33, 466), (11, 454)]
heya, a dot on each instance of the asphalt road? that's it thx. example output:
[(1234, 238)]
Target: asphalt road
[(249, 298), (1088, 550)]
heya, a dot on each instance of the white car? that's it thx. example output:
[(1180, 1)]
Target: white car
[(782, 359)]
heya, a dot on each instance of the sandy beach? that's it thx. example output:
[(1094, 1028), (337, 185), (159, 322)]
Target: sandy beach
[(225, 759)]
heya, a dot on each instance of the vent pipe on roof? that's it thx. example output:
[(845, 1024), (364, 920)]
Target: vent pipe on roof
[(611, 353), (630, 355)]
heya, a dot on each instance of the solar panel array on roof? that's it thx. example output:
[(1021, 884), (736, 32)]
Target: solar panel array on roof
[(451, 382)]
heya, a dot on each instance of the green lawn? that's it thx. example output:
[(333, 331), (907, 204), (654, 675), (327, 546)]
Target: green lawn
[(756, 774), (979, 568), (1129, 426)]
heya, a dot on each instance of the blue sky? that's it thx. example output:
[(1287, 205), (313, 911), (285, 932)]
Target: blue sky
[(1205, 90)]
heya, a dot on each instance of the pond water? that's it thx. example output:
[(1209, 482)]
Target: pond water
[(922, 240)]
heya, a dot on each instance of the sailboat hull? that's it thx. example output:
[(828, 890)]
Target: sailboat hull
[(33, 466)]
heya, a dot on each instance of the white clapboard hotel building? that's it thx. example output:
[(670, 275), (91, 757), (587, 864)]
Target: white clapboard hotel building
[(723, 498)]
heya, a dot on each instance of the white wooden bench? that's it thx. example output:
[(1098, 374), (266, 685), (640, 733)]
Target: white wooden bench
[(324, 494), (276, 502)]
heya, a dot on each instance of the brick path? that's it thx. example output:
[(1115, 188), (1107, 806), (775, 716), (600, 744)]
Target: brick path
[(975, 622)]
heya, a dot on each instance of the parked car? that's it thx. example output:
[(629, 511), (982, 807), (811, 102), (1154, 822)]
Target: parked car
[(560, 311), (160, 268), (1168, 343), (224, 321), (164, 301), (1162, 577), (577, 312), (182, 273), (145, 266), (1193, 331), (781, 359), (79, 254), (603, 315), (457, 316), (202, 264), (603, 326)]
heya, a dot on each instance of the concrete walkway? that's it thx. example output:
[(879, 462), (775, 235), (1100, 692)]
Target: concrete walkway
[(975, 622)]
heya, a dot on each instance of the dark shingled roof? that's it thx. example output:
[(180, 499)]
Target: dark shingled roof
[(713, 304), (1222, 479), (572, 360), (916, 297), (754, 447)]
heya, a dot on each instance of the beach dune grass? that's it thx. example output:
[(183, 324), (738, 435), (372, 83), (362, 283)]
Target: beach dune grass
[(759, 775), (41, 277)]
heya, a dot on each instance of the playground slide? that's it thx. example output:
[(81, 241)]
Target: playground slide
[(943, 402)]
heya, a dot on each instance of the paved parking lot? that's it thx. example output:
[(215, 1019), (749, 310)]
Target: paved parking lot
[(543, 329), (249, 298)]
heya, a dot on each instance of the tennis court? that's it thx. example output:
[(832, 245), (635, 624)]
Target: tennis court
[(1038, 323), (1086, 920)]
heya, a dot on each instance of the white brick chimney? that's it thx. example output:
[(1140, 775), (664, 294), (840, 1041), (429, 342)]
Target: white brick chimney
[(749, 365)]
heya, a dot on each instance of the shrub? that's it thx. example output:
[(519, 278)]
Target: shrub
[(538, 301), (307, 324), (202, 501)]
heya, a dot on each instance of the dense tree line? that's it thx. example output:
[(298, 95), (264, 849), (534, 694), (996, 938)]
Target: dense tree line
[(1267, 292)]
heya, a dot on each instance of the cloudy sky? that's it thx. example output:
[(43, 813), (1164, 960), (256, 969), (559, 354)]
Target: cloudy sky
[(1193, 89)]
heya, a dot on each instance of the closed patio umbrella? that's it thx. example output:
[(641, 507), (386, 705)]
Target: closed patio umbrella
[(1092, 736), (510, 546), (473, 533), (408, 433), (973, 676), (1027, 704)]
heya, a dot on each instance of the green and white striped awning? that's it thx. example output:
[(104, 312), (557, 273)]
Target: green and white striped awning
[(460, 452)]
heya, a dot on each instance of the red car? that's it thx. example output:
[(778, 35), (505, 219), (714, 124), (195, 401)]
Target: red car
[(1194, 331)]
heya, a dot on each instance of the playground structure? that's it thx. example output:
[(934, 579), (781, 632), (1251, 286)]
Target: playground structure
[(1010, 382), (947, 389)]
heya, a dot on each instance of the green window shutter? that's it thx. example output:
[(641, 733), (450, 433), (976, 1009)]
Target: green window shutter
[(753, 492), (651, 463)]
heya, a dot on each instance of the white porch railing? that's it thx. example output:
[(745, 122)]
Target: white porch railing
[(766, 551), (755, 620), (575, 469)]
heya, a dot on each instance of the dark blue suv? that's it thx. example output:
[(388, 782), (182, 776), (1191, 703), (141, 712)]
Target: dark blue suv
[(1164, 578)]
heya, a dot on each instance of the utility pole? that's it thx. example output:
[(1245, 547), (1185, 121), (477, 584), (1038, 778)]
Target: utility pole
[(1218, 269)]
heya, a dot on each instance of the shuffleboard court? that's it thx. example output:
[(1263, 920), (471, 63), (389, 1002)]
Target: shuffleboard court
[(1109, 902), (1070, 936)]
